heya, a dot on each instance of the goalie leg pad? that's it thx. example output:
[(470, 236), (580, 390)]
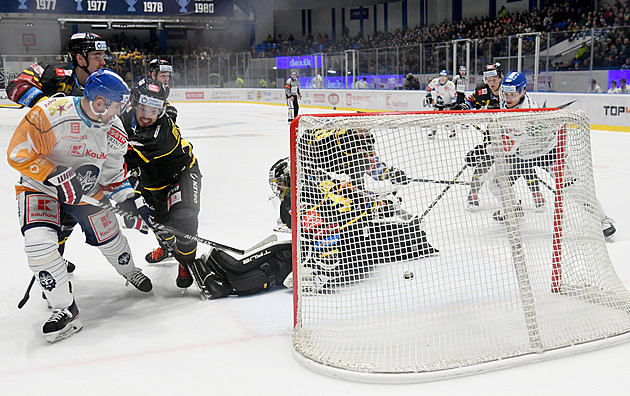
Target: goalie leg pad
[(259, 271)]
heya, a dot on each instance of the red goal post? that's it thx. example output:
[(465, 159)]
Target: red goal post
[(399, 277)]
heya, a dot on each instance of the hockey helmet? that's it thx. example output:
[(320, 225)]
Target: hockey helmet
[(493, 69), (280, 177), (514, 84), (158, 65), (443, 73), (84, 43), (150, 93), (462, 68), (106, 83)]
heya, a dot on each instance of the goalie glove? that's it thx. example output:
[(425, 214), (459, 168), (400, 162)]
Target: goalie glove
[(68, 187), (137, 206), (428, 100)]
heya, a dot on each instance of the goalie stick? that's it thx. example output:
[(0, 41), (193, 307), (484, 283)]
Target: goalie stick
[(156, 227), (440, 181)]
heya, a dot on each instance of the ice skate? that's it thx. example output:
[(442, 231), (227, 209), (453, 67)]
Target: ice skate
[(63, 323), (184, 279), (158, 254), (139, 280), (608, 228)]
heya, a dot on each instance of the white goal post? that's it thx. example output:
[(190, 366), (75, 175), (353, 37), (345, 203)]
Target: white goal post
[(412, 263)]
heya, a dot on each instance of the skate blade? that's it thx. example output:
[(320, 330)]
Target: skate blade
[(69, 330)]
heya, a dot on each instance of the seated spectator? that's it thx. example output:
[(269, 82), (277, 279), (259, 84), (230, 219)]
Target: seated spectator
[(594, 88), (363, 84), (623, 87), (613, 87)]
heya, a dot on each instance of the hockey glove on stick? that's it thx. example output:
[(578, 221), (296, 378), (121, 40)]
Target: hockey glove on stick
[(137, 207), (68, 187), (428, 100)]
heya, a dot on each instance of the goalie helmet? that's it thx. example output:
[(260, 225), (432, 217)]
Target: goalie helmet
[(280, 177), (84, 43), (158, 65), (150, 92)]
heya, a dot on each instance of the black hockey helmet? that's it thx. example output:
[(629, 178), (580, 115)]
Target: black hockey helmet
[(280, 177), (150, 92), (158, 65), (83, 43), (493, 69)]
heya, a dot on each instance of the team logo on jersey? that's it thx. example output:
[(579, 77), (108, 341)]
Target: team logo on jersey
[(46, 280), (61, 105), (117, 136), (87, 176), (124, 258), (482, 91), (63, 72), (76, 149)]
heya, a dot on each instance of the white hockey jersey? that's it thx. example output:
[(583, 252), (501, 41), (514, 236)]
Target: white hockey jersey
[(57, 132), (529, 139), (443, 94)]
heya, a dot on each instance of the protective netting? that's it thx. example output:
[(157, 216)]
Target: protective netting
[(418, 253)]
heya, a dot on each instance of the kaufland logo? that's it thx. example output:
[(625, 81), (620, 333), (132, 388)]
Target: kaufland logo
[(333, 98), (194, 95)]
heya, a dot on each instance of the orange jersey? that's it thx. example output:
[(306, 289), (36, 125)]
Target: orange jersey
[(56, 132)]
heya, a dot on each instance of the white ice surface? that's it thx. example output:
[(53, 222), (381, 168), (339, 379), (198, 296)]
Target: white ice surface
[(164, 343)]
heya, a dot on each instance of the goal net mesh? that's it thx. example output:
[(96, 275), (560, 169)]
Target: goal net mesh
[(410, 259)]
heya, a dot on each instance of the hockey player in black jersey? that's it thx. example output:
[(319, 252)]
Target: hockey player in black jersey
[(168, 174), (162, 71), (88, 52)]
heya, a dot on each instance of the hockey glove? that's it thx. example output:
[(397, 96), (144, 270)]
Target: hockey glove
[(478, 156), (138, 207), (69, 188), (428, 101), (461, 106), (171, 112), (398, 176)]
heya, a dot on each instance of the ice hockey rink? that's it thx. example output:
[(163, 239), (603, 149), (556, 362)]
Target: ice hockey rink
[(168, 343)]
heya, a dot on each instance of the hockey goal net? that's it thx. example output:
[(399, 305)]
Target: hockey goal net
[(411, 263)]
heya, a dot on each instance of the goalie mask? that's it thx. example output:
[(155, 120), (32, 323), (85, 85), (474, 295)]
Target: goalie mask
[(513, 89), (149, 96), (112, 87), (280, 177)]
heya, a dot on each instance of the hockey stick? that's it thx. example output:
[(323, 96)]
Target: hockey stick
[(12, 106), (156, 227), (440, 181), (435, 201), (27, 294)]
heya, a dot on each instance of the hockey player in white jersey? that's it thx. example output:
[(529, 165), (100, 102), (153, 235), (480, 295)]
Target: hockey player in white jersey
[(525, 154), (65, 148), (440, 95)]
